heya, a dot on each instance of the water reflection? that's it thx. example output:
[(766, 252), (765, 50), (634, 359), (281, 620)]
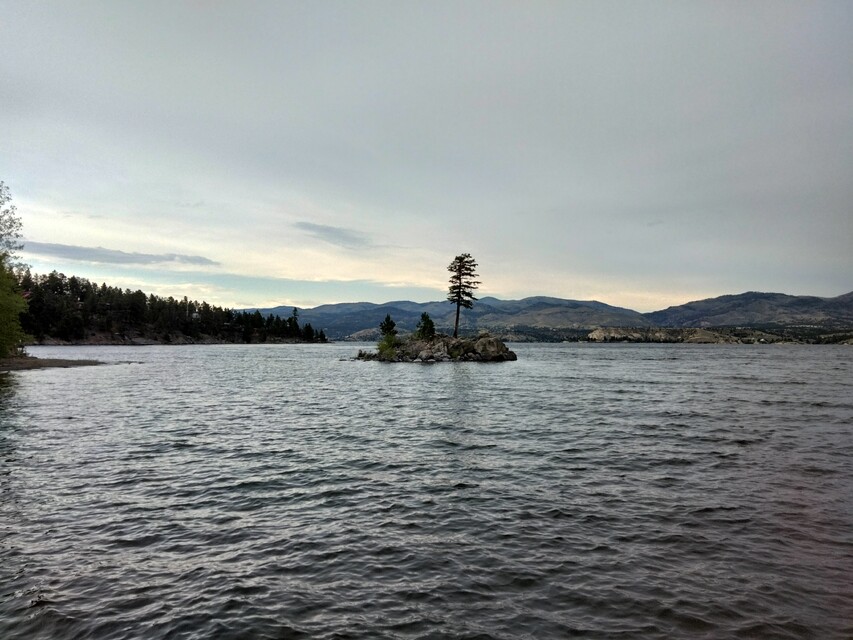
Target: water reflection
[(459, 393), (8, 387), (9, 494), (8, 382)]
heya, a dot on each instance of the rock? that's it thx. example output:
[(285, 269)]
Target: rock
[(661, 334), (492, 349)]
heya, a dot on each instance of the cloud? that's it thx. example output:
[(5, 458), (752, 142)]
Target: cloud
[(575, 149), (112, 256), (338, 236)]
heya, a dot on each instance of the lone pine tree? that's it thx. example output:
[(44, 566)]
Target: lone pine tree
[(463, 283)]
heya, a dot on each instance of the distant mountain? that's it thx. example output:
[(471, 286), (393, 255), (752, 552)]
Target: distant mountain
[(545, 318), (755, 309), (527, 317)]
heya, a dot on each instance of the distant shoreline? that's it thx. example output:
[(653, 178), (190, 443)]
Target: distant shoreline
[(122, 340), (611, 334)]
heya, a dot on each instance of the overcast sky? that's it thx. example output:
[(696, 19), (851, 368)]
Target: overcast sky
[(643, 154)]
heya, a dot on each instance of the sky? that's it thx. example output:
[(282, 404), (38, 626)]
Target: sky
[(255, 154)]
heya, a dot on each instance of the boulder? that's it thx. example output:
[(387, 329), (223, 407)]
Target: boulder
[(491, 349)]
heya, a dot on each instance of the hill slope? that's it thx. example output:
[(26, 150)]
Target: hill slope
[(755, 309), (525, 316), (542, 317)]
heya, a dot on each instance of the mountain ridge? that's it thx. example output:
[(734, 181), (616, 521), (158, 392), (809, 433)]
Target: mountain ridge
[(542, 316), (756, 308)]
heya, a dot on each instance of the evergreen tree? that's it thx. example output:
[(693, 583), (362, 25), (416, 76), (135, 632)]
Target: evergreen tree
[(387, 326), (69, 308), (293, 330), (426, 327), (462, 285), (388, 343), (12, 304)]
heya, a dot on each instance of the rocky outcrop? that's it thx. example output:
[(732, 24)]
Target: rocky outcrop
[(657, 334), (687, 335), (442, 348)]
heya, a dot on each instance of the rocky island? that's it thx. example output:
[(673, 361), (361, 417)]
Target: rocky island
[(426, 345), (441, 348)]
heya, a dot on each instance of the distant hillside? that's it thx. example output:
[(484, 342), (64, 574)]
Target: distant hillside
[(536, 317), (754, 309), (545, 318)]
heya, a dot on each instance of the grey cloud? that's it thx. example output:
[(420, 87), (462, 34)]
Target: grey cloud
[(606, 137), (334, 235), (112, 256)]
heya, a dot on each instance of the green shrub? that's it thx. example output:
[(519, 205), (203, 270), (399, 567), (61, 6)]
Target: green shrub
[(388, 347)]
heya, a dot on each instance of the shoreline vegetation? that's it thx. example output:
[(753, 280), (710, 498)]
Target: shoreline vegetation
[(72, 310)]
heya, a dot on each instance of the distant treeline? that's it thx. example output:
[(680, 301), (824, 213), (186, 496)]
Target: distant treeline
[(74, 309)]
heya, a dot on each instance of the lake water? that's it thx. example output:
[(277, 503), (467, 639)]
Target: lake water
[(601, 491)]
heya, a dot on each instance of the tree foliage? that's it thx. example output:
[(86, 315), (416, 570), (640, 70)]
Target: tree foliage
[(463, 283), (426, 328), (12, 304), (71, 308), (388, 327), (10, 228), (389, 342)]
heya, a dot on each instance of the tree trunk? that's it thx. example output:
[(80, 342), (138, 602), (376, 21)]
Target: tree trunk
[(456, 326)]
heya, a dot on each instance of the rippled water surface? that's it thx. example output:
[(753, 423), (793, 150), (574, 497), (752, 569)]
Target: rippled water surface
[(604, 491)]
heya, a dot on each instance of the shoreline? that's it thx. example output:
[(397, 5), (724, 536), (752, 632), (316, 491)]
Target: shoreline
[(30, 363)]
